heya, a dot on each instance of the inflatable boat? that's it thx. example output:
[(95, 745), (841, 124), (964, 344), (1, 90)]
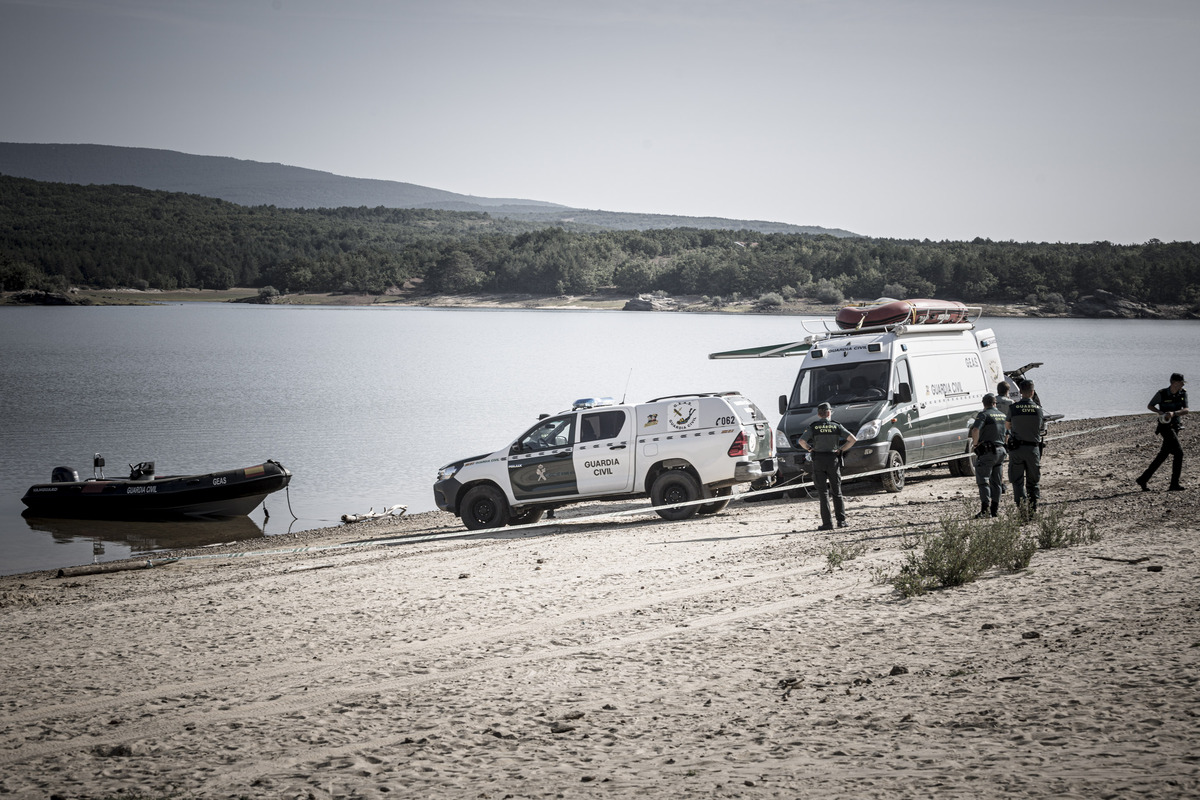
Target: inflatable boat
[(886, 311), (144, 495)]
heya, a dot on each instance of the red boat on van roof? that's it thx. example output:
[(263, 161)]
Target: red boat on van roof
[(887, 311)]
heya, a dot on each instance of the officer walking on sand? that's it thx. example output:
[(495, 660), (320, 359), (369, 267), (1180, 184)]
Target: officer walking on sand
[(987, 438), (1170, 404), (1025, 421), (827, 440)]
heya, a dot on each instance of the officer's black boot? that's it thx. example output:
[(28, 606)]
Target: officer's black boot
[(995, 509), (983, 512)]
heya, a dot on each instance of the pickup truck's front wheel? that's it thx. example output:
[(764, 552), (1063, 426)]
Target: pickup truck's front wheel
[(484, 507), (675, 486)]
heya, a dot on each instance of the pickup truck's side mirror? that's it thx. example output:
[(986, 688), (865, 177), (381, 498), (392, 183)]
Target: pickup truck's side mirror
[(904, 394), (783, 404)]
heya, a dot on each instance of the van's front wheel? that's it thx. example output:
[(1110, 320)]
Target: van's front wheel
[(675, 486), (893, 479)]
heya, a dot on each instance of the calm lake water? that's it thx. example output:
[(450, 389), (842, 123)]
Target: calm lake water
[(364, 404)]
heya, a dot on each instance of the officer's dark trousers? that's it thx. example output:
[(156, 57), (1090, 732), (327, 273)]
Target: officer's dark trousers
[(988, 471), (1170, 447), (1025, 474), (827, 477)]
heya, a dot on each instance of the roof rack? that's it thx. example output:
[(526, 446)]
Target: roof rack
[(802, 346), (692, 394)]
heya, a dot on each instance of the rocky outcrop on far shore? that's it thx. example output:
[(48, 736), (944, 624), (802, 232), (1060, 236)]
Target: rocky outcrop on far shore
[(1102, 304)]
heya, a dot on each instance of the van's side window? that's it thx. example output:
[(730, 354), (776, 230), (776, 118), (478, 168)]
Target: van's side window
[(901, 376)]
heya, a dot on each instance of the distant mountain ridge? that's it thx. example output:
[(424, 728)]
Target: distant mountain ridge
[(255, 183)]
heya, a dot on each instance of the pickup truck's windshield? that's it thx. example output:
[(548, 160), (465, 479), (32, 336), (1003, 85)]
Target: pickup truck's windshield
[(840, 384), (548, 434)]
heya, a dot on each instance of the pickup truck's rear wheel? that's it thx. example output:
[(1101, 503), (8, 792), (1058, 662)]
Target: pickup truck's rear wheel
[(526, 517), (893, 479), (675, 486), (484, 507), (717, 505)]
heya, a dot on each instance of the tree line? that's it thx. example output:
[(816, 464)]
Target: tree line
[(53, 235)]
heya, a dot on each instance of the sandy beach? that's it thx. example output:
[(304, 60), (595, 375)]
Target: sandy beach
[(722, 656)]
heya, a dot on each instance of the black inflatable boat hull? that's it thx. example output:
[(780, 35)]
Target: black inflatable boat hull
[(232, 493)]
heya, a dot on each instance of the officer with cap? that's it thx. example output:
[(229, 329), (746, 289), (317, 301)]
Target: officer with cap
[(1170, 404), (987, 438), (1025, 423), (827, 440)]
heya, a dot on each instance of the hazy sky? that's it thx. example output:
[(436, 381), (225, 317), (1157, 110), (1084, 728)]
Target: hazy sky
[(1033, 120)]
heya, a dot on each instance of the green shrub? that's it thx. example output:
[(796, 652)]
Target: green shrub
[(1053, 531), (769, 300), (842, 552), (963, 550), (826, 292)]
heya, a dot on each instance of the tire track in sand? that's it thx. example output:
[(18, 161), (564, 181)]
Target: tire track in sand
[(13, 751)]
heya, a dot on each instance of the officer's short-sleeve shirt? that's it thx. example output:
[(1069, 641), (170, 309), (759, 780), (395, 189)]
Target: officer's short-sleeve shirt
[(1170, 402), (825, 435), (1027, 418), (990, 424)]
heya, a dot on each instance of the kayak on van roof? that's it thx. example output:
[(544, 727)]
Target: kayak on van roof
[(888, 311)]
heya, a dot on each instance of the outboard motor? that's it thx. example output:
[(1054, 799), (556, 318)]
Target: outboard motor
[(64, 475), (141, 472)]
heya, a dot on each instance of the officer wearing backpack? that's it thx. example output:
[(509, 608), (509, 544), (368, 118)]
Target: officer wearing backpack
[(987, 438), (1025, 422), (827, 440), (1170, 404)]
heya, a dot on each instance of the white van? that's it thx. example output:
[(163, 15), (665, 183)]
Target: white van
[(908, 392), (676, 449)]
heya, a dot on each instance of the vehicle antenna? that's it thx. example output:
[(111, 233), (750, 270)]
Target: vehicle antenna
[(627, 380)]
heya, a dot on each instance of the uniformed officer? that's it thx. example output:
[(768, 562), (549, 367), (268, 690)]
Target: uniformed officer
[(1025, 423), (1170, 404), (987, 437), (827, 440), (1003, 401)]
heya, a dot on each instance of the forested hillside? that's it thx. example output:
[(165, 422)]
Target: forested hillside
[(256, 183), (52, 235)]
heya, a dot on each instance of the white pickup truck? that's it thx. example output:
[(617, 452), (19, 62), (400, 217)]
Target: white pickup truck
[(675, 449)]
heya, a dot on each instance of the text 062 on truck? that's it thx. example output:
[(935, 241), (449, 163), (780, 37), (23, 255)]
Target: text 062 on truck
[(676, 449), (908, 391)]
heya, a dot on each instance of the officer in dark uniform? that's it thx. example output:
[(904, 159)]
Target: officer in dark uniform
[(1025, 423), (987, 438), (1170, 404), (827, 440)]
